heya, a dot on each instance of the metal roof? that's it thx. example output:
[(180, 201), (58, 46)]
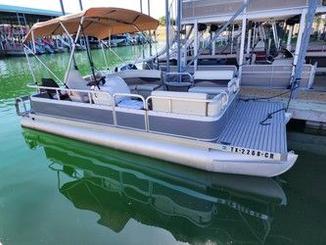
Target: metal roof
[(31, 11)]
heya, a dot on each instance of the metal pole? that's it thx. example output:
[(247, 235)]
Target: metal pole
[(230, 21), (62, 8), (30, 66), (288, 45), (179, 34), (150, 33), (232, 37), (141, 6), (196, 44), (305, 40), (149, 7), (243, 37), (299, 40), (167, 23), (249, 41), (104, 55), (81, 5)]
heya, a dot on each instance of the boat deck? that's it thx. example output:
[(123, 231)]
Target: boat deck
[(246, 130)]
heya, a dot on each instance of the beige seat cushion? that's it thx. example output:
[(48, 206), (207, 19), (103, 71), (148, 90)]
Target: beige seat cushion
[(212, 91), (214, 75), (180, 102), (76, 81)]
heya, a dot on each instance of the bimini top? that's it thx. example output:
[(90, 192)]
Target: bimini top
[(97, 22)]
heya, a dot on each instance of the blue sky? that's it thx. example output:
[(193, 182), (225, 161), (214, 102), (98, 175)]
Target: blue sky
[(157, 6)]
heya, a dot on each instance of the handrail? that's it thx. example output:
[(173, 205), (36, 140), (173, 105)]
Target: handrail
[(179, 74), (221, 93), (130, 95), (145, 101), (21, 100)]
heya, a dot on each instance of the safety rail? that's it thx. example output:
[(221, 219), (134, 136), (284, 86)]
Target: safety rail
[(145, 102), (116, 95), (18, 102), (179, 76), (207, 101)]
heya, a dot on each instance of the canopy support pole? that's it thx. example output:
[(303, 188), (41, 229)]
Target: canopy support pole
[(104, 56), (30, 66), (42, 63), (150, 32), (33, 43), (73, 44)]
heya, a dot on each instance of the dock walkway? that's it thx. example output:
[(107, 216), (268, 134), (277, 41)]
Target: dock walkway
[(310, 105)]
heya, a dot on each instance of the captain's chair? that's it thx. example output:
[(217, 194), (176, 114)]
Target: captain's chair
[(76, 81), (116, 85)]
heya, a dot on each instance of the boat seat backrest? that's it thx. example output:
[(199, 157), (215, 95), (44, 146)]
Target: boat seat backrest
[(145, 89), (179, 102), (218, 75), (187, 103), (113, 85), (76, 81), (140, 74)]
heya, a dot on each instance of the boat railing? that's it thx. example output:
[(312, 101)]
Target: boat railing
[(137, 96), (221, 96), (220, 102), (177, 77), (24, 102)]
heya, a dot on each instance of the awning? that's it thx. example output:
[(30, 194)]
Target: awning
[(98, 22)]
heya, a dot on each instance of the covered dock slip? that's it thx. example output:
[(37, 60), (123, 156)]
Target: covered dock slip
[(15, 22), (282, 25)]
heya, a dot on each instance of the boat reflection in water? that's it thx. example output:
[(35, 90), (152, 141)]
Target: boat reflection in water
[(195, 206)]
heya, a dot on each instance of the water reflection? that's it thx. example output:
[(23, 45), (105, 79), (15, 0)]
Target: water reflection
[(194, 206)]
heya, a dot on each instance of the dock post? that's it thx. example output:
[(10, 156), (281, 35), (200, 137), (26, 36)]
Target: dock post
[(196, 44), (243, 37), (167, 24), (288, 45), (179, 6), (307, 19), (232, 37), (81, 5), (62, 8), (249, 41)]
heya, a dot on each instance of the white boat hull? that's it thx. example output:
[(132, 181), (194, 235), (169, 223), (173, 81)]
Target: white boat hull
[(186, 152)]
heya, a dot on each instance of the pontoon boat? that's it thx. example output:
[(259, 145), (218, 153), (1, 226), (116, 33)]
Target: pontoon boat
[(196, 120)]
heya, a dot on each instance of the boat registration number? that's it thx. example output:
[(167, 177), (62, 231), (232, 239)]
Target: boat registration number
[(251, 152)]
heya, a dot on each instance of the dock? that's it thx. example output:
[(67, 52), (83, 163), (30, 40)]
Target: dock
[(309, 105)]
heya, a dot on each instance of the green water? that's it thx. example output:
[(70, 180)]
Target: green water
[(59, 191)]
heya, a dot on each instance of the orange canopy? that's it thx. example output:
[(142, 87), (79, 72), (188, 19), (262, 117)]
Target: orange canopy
[(98, 22)]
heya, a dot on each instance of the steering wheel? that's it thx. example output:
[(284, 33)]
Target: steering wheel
[(97, 82)]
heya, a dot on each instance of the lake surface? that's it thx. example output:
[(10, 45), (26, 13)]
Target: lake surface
[(59, 191)]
